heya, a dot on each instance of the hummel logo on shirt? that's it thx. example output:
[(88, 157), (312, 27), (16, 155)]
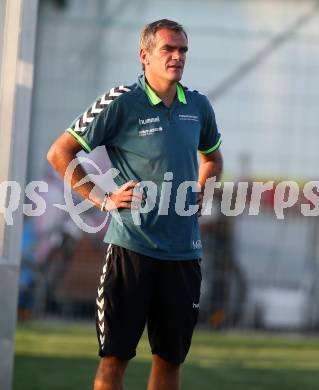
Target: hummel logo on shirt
[(148, 120), (148, 131)]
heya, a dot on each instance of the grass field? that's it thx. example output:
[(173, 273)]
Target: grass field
[(56, 357)]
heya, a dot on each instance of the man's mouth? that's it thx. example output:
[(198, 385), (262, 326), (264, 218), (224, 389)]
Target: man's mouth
[(175, 66)]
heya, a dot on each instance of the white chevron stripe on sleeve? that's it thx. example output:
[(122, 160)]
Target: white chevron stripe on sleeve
[(77, 127), (113, 93), (103, 100), (86, 119), (96, 110)]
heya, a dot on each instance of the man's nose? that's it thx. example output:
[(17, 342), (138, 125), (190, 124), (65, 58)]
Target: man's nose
[(177, 55)]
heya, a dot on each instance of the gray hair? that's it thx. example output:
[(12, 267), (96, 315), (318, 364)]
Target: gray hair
[(147, 39)]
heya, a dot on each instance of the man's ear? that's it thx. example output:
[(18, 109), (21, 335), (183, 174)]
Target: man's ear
[(144, 57)]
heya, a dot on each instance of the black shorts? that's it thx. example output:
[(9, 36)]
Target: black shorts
[(135, 290)]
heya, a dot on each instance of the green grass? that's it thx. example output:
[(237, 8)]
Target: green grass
[(56, 357)]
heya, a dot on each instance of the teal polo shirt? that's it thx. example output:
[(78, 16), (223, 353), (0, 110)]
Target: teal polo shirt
[(146, 140)]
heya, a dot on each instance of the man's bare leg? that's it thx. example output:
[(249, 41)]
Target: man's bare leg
[(164, 375), (110, 374)]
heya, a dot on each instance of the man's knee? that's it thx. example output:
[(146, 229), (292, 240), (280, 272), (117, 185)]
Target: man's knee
[(110, 372), (163, 364)]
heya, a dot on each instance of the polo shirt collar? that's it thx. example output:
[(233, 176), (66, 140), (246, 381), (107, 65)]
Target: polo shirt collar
[(153, 98)]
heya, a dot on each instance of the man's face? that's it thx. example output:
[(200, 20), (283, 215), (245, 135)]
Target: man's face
[(167, 58)]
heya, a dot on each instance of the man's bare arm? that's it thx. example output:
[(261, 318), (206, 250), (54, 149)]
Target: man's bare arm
[(211, 165), (62, 152)]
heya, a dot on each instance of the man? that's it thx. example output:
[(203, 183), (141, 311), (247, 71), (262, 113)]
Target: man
[(152, 131)]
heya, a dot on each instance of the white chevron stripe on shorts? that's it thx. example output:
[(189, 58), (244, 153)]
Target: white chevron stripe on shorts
[(100, 299)]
